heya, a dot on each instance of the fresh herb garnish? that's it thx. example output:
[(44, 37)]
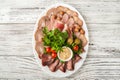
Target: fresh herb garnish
[(54, 38)]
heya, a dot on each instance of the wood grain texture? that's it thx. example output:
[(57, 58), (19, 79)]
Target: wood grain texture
[(17, 22)]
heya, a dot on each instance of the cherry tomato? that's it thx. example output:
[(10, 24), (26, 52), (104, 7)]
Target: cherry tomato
[(48, 49), (75, 48), (54, 54), (53, 51)]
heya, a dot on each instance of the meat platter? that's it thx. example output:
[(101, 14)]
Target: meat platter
[(60, 40)]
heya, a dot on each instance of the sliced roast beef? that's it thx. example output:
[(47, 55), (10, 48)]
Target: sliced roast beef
[(63, 67), (58, 66), (70, 65), (52, 66), (76, 58), (46, 59)]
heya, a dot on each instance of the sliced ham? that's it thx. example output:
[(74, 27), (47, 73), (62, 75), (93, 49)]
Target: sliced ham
[(83, 39), (77, 20), (39, 48), (77, 34), (50, 12), (61, 8), (63, 67), (65, 18), (70, 22), (70, 65), (52, 66), (38, 35), (41, 22), (59, 25), (46, 59)]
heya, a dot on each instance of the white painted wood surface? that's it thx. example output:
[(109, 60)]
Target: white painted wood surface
[(17, 19)]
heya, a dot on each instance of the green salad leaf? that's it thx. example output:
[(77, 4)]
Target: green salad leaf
[(54, 38)]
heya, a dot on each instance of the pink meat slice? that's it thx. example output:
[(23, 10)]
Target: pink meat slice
[(52, 66), (65, 18), (83, 39), (70, 65), (70, 22), (38, 35), (39, 48)]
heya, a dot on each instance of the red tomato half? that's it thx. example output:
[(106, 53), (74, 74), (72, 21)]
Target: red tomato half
[(75, 48), (54, 55), (48, 49)]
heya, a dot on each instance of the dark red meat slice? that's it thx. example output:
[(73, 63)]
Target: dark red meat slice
[(58, 66), (46, 59), (52, 66), (77, 58), (63, 67), (70, 65)]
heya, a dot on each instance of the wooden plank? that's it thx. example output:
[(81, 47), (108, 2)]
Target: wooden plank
[(99, 12)]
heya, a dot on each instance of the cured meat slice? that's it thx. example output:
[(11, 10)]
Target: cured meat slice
[(46, 59), (63, 67), (59, 65), (65, 18), (83, 39), (39, 48), (70, 65), (52, 66), (76, 58)]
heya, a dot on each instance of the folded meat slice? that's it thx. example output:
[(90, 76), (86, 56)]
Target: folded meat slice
[(77, 20), (70, 65), (83, 39), (50, 12), (58, 66), (76, 58), (46, 59), (70, 22), (63, 67), (38, 35), (52, 66), (65, 18), (39, 48), (43, 22)]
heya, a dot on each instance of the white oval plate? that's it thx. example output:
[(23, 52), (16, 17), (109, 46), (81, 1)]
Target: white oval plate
[(83, 55)]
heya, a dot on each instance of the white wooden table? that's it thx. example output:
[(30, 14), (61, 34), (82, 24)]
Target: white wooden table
[(17, 20)]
